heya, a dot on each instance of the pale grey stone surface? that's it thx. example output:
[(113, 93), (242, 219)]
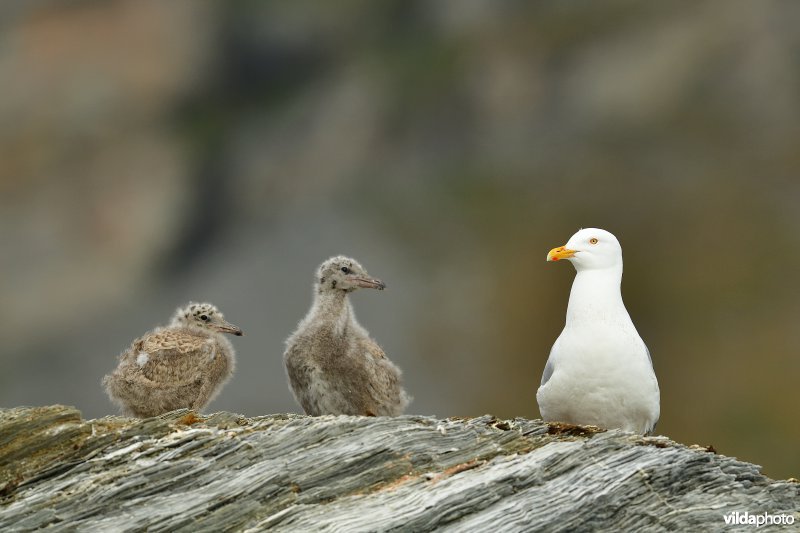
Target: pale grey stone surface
[(225, 472)]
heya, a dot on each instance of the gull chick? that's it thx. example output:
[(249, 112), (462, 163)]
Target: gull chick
[(333, 365), (599, 371), (183, 365)]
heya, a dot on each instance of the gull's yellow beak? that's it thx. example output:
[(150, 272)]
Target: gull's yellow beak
[(562, 252)]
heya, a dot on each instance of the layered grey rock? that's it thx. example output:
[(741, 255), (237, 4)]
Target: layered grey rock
[(182, 472)]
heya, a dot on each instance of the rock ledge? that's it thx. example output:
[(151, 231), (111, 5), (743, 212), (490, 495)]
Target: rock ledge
[(186, 472)]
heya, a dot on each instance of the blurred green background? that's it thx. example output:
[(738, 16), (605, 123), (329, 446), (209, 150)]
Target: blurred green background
[(156, 152)]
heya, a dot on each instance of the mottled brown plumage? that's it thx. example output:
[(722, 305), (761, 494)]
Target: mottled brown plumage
[(333, 366), (183, 365)]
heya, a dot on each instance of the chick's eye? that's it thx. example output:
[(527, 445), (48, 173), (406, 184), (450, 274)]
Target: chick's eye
[(203, 317), (345, 270), (593, 240)]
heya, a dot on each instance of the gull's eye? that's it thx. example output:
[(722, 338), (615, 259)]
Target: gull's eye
[(345, 270), (593, 240), (203, 317)]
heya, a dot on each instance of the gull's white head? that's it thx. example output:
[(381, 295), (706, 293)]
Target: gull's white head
[(590, 249), (342, 273), (203, 316)]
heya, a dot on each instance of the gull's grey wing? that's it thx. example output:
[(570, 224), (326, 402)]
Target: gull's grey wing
[(652, 429), (548, 371)]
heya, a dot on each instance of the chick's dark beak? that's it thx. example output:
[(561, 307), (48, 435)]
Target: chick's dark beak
[(369, 283), (227, 327)]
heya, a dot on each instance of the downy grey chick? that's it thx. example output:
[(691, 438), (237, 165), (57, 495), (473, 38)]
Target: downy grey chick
[(333, 366), (183, 365)]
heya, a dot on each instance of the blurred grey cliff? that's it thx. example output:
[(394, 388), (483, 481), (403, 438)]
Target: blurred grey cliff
[(153, 153)]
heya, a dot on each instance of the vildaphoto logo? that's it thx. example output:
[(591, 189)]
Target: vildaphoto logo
[(735, 518)]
